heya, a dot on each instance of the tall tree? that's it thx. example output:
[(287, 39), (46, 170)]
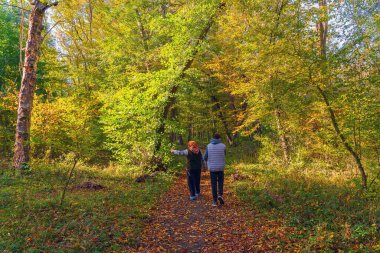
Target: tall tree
[(168, 106), (28, 83), (322, 28)]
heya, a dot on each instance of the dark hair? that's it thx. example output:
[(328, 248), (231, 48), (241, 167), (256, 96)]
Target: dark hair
[(217, 136)]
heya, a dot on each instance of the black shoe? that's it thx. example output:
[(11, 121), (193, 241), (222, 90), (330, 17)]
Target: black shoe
[(220, 198)]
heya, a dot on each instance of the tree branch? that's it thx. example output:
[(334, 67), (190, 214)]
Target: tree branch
[(50, 5), (15, 6), (42, 6), (51, 28)]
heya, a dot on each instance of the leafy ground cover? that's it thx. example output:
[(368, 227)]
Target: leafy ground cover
[(182, 225), (268, 209), (31, 219), (324, 206)]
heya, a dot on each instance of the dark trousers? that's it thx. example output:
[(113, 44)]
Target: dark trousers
[(217, 181), (194, 181)]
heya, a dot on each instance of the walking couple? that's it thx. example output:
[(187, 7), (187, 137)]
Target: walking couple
[(215, 158)]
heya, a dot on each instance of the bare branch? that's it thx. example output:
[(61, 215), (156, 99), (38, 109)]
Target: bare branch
[(50, 5), (15, 6), (51, 28)]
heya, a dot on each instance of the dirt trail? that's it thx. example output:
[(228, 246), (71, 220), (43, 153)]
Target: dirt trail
[(182, 225)]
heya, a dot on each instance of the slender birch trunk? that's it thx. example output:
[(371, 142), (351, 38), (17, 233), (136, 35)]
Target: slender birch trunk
[(28, 84)]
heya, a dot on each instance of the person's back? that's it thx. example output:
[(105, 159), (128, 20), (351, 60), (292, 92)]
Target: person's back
[(216, 161), (216, 155)]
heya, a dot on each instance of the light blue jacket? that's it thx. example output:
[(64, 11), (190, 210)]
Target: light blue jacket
[(215, 155)]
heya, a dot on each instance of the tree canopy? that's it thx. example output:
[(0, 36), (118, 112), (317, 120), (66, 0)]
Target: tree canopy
[(125, 80)]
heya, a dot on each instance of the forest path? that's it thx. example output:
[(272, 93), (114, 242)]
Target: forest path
[(181, 225)]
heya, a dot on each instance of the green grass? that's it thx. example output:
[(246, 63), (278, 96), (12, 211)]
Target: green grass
[(31, 219), (325, 206)]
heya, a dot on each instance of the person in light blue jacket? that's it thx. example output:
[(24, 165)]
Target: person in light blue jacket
[(215, 157)]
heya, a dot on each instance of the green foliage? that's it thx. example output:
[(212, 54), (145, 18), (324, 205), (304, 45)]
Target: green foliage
[(133, 113), (8, 109), (250, 71), (9, 76), (9, 48), (117, 78), (65, 126)]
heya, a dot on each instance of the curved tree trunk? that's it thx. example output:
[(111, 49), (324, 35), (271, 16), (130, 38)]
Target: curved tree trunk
[(343, 138), (28, 84), (322, 28)]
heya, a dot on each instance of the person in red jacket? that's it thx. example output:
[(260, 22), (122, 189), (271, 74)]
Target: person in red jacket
[(194, 167)]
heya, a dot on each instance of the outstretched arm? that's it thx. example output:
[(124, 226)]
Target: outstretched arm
[(180, 152)]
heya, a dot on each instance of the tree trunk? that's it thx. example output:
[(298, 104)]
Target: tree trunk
[(322, 28), (343, 138), (144, 36), (283, 139), (173, 91), (28, 84), (164, 8), (280, 128), (180, 140), (238, 122), (277, 112), (218, 108), (190, 132)]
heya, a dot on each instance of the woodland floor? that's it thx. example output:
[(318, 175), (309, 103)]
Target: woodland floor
[(181, 225), (267, 212)]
